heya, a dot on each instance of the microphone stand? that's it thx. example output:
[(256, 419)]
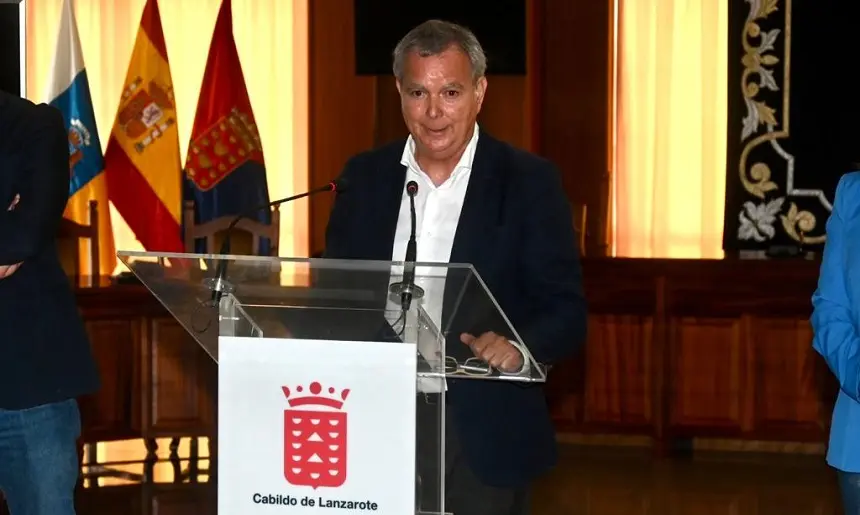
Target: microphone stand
[(406, 289), (219, 284)]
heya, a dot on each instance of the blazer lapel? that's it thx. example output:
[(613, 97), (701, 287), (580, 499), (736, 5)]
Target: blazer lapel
[(381, 234), (479, 219), (480, 206), (480, 211)]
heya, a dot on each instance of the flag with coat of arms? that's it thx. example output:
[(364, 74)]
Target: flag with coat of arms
[(142, 161), (225, 173), (69, 91)]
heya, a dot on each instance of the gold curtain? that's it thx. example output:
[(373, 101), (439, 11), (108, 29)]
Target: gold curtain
[(670, 148), (272, 40)]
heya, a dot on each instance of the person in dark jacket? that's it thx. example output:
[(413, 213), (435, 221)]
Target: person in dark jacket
[(479, 201), (45, 356)]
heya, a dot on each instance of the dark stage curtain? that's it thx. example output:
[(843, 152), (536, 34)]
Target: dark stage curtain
[(10, 48), (793, 120)]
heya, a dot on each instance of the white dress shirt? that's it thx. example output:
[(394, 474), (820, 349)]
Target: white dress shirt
[(437, 213)]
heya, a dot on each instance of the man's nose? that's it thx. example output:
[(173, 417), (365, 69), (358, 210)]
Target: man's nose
[(433, 109)]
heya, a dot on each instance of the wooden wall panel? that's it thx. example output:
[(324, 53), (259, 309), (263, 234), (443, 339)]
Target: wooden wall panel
[(389, 125), (342, 106), (791, 372), (725, 346), (110, 414), (175, 369), (707, 368), (618, 385), (575, 107)]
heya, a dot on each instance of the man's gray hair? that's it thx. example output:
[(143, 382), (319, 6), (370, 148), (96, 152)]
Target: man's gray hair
[(434, 37)]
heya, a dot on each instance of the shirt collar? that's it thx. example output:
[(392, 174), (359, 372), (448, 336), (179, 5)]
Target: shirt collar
[(465, 163)]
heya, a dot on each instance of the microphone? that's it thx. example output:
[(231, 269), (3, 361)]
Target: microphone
[(407, 289), (218, 284)]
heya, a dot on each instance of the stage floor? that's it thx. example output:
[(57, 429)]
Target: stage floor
[(588, 481)]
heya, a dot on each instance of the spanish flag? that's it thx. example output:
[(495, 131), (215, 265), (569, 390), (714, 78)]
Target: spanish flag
[(142, 160), (69, 91)]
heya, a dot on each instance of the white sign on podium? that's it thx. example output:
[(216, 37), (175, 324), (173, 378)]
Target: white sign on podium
[(315, 427)]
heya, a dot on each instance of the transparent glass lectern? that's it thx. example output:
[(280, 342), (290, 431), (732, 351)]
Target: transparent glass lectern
[(214, 297)]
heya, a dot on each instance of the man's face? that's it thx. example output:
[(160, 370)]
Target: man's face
[(440, 102)]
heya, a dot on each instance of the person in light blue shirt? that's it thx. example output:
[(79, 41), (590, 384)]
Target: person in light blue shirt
[(835, 321)]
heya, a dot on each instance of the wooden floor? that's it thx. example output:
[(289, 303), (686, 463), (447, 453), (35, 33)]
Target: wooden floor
[(588, 481), (614, 482)]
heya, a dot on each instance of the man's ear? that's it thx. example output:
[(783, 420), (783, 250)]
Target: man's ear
[(480, 91)]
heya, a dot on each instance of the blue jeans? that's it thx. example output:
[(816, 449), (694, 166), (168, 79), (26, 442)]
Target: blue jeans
[(849, 485), (39, 458)]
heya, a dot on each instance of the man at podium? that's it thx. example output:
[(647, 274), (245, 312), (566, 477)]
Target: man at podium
[(476, 200)]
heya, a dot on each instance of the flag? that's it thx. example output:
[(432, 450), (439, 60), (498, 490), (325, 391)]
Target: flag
[(225, 172), (142, 160), (69, 91)]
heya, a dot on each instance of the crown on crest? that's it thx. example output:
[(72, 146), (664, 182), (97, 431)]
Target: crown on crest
[(314, 396)]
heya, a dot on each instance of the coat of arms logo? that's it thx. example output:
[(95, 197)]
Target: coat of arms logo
[(79, 137), (315, 436), (223, 147), (146, 112)]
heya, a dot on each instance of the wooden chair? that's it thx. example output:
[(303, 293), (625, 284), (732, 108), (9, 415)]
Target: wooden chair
[(580, 212), (246, 237), (69, 239)]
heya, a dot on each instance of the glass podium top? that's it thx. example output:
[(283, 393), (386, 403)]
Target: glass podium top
[(435, 304)]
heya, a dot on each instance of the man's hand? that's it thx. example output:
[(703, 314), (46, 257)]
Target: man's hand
[(7, 270), (495, 350)]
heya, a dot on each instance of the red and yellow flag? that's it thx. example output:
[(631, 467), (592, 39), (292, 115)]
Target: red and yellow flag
[(225, 170), (142, 162)]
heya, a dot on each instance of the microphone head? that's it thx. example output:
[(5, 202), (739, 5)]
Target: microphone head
[(339, 184), (412, 188)]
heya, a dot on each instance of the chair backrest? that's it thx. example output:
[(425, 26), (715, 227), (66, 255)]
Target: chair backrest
[(580, 225), (246, 238), (70, 246)]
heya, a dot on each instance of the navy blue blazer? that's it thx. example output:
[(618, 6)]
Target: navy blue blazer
[(45, 354), (516, 229)]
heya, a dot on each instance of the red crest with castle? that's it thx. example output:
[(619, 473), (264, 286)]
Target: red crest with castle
[(315, 436)]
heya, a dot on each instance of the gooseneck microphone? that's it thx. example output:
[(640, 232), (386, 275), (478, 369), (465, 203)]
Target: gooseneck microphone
[(411, 246), (219, 284), (406, 289)]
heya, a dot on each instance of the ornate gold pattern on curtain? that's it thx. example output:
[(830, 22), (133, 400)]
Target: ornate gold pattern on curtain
[(758, 64), (765, 127)]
